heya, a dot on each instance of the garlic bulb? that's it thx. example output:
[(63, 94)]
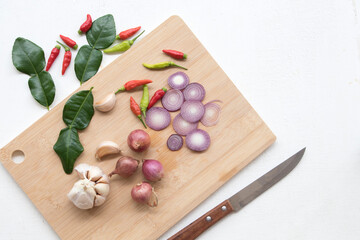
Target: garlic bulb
[(106, 104), (106, 148), (92, 188)]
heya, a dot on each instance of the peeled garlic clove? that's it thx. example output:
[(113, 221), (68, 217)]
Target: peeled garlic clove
[(104, 179), (106, 148), (99, 200), (106, 104), (83, 194), (95, 173), (82, 170), (102, 189)]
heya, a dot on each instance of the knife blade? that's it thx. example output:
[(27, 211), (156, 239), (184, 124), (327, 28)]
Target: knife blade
[(239, 199)]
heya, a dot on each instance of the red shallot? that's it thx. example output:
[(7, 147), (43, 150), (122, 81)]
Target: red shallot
[(152, 170), (144, 193), (157, 118), (183, 127), (138, 140), (175, 142), (194, 91), (212, 113), (178, 80), (192, 111), (198, 140), (172, 100), (125, 167)]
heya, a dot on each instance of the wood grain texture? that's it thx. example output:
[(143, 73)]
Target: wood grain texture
[(193, 230), (190, 177)]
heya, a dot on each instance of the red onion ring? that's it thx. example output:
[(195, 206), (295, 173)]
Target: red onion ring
[(178, 80), (194, 91), (183, 127), (198, 140), (175, 142), (192, 111), (212, 113), (172, 100), (157, 118)]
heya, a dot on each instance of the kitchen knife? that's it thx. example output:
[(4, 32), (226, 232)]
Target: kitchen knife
[(240, 199)]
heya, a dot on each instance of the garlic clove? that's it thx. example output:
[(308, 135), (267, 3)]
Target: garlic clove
[(95, 173), (104, 179), (82, 170), (102, 189), (99, 200), (106, 148), (106, 104)]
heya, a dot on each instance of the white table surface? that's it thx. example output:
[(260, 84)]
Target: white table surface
[(296, 62)]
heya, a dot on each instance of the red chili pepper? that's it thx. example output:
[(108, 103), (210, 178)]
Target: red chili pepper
[(86, 25), (68, 41), (53, 55), (157, 96), (136, 110), (127, 33), (133, 84), (67, 58), (175, 54)]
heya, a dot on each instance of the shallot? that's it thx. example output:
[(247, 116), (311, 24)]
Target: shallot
[(178, 80), (174, 142), (157, 118), (172, 100), (125, 167), (198, 140), (192, 111), (152, 170), (138, 140), (144, 193), (183, 127), (194, 91)]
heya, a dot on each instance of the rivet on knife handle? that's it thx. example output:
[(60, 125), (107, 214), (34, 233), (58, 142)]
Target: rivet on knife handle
[(197, 227)]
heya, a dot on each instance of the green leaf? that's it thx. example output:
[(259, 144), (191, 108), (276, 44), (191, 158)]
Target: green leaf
[(78, 110), (68, 148), (28, 57), (42, 88), (102, 32), (87, 63)]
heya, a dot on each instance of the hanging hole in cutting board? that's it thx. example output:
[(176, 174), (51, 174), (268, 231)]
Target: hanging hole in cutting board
[(18, 156)]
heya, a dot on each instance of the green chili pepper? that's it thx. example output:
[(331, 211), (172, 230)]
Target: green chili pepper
[(144, 100), (123, 46), (162, 65)]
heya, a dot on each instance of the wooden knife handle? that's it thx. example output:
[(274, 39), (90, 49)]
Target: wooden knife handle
[(197, 227)]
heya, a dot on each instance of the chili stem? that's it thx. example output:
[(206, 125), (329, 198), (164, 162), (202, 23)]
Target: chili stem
[(139, 116), (137, 36), (179, 66), (66, 47)]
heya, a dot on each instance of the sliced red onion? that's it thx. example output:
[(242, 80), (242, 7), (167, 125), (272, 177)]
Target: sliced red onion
[(172, 100), (212, 114), (198, 140), (194, 91), (192, 111), (178, 80), (175, 142), (157, 118), (183, 127)]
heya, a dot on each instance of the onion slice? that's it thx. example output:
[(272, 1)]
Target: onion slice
[(172, 100), (194, 91), (192, 111), (157, 118), (183, 127), (178, 80), (175, 142), (198, 140), (212, 113)]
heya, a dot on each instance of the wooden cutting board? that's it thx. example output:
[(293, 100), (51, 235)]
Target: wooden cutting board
[(190, 177)]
